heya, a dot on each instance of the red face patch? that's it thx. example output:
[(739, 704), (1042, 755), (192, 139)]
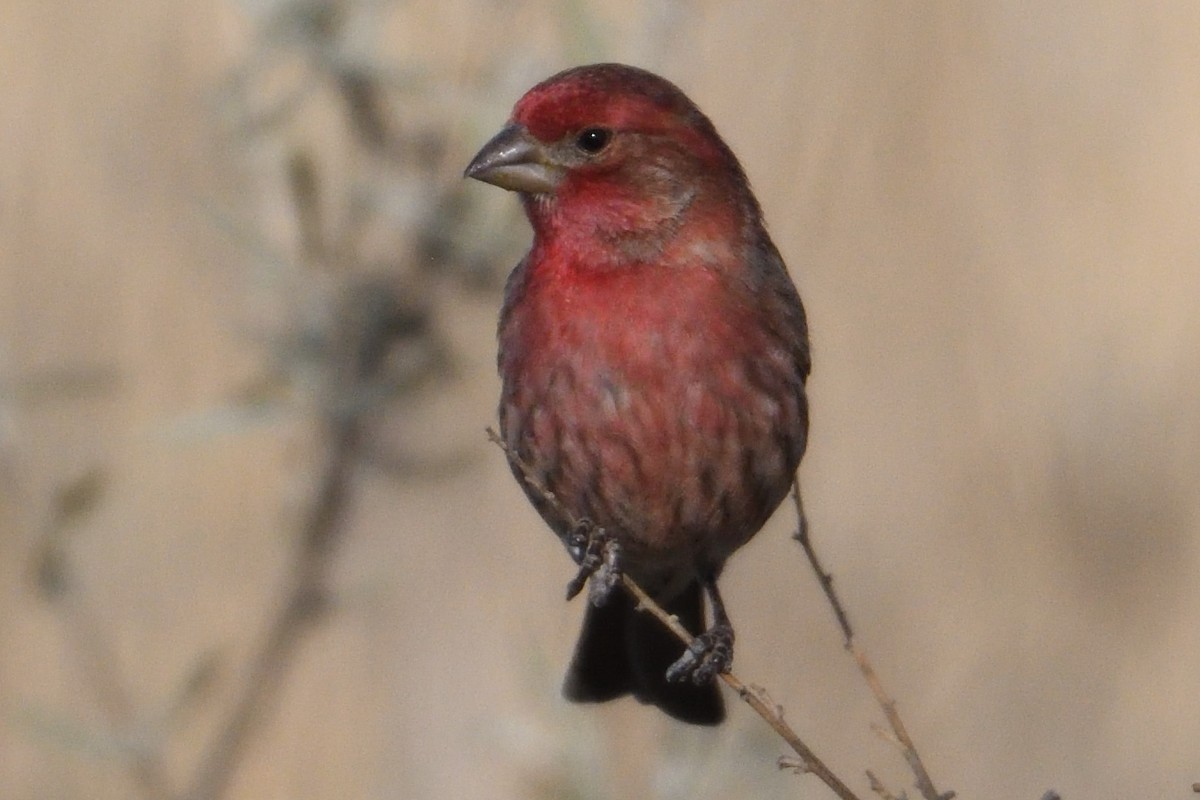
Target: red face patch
[(606, 95)]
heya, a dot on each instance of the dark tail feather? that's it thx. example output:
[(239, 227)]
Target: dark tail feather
[(624, 651), (600, 668)]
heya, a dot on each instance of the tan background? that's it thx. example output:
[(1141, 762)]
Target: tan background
[(991, 211)]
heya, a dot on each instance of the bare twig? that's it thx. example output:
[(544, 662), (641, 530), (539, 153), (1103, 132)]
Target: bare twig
[(92, 650), (878, 788), (378, 345), (99, 674), (824, 578), (306, 597), (754, 696), (349, 370), (924, 782), (888, 736)]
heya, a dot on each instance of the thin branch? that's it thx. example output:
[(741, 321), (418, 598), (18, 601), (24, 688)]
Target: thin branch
[(754, 696), (878, 788), (887, 736), (353, 334), (359, 362), (824, 578), (924, 782), (305, 599), (98, 672), (92, 649)]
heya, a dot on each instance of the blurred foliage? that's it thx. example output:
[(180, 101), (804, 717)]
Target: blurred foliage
[(341, 245), (74, 501)]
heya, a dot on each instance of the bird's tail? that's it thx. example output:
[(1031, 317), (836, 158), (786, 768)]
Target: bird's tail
[(623, 651)]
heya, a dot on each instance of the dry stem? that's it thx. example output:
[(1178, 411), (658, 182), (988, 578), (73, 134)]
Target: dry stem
[(305, 599), (924, 782), (99, 673), (754, 696)]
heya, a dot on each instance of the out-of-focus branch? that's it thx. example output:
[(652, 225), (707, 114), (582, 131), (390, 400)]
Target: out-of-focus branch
[(756, 697), (360, 337), (924, 782), (305, 599), (98, 671), (878, 788), (92, 650), (365, 324), (357, 321)]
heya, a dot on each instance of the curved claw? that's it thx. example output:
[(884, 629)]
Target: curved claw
[(709, 654), (599, 559)]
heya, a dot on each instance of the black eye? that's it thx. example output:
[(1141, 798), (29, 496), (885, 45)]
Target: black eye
[(592, 140)]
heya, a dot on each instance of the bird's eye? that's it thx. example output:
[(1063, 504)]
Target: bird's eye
[(593, 140)]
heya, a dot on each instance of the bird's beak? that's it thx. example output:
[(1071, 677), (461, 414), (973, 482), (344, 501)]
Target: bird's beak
[(514, 160)]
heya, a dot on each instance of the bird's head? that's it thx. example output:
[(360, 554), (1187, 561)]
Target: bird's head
[(616, 150)]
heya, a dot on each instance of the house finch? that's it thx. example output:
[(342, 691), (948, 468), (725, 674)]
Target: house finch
[(653, 353)]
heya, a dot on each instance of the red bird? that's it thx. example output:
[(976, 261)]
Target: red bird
[(653, 353)]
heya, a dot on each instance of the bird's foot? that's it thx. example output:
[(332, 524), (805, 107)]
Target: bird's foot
[(599, 559), (709, 654)]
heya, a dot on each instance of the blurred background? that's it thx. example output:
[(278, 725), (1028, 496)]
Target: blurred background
[(254, 543)]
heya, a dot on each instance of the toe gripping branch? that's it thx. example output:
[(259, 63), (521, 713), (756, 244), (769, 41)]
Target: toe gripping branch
[(599, 558), (710, 653)]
